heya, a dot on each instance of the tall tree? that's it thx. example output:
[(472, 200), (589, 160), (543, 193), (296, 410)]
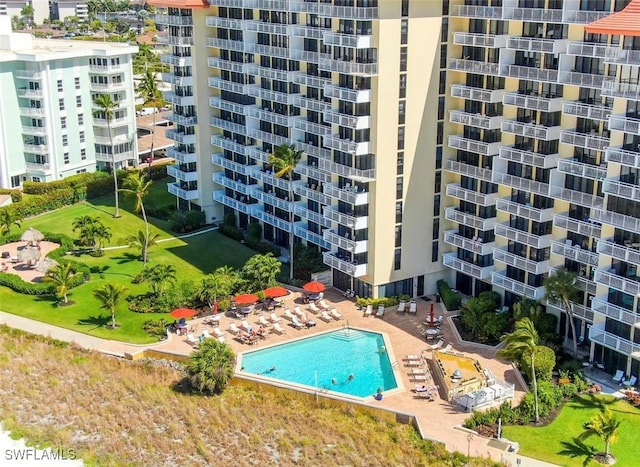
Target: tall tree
[(220, 283), (561, 287), (260, 271), (210, 368), (28, 13), (8, 219), (143, 242), (137, 185), (107, 109), (158, 277), (284, 159), (150, 94), (110, 295), (91, 232), (523, 339), (605, 425), (61, 275)]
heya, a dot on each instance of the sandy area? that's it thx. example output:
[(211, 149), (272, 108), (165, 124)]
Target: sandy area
[(27, 273)]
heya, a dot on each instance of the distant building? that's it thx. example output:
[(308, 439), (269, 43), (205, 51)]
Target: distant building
[(48, 129), (13, 8), (61, 9)]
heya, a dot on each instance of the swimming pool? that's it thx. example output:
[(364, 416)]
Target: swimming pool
[(327, 361)]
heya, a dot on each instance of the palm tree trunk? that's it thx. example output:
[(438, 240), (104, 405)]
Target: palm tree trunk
[(535, 383), (113, 317), (153, 134), (113, 169), (569, 310), (66, 299), (146, 236), (291, 236)]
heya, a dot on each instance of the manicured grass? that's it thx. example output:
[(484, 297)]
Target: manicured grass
[(557, 441)]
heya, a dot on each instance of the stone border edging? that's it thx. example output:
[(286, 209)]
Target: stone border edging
[(454, 328)]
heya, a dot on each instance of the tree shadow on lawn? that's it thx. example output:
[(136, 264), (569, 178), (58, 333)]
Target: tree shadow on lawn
[(99, 321), (126, 258), (591, 401), (576, 449)]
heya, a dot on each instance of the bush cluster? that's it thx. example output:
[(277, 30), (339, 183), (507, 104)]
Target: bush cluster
[(231, 232), (452, 300), (188, 221), (16, 195), (376, 302)]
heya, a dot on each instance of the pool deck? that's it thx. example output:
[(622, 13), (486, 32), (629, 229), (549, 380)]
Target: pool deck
[(439, 420)]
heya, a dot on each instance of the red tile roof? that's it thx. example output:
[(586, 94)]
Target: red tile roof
[(622, 23), (189, 4)]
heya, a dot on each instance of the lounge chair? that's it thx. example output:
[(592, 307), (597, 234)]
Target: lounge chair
[(217, 332), (222, 339), (380, 312), (274, 318), (287, 315), (244, 325), (205, 334), (448, 348), (191, 340), (263, 322), (324, 316), (418, 377), (296, 323), (278, 329), (417, 371), (401, 307), (324, 305), (630, 382), (413, 307), (298, 312), (313, 308), (335, 314), (618, 377), (233, 329), (413, 357), (369, 311), (437, 345)]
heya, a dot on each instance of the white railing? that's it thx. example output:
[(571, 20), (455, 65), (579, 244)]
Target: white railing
[(236, 167), (219, 103), (271, 219), (473, 66), (455, 190), (574, 252), (311, 127), (346, 195), (520, 236), (349, 268), (533, 44), (312, 171), (225, 85), (346, 244), (181, 156), (173, 20), (616, 219), (238, 128), (188, 195), (452, 238), (611, 279), (224, 23), (583, 17), (586, 49), (607, 339), (580, 109), (227, 65), (467, 169), (478, 272), (526, 211), (594, 172), (350, 68), (622, 56), (579, 311), (624, 123), (37, 167), (521, 183), (272, 199), (532, 14), (563, 221), (479, 40), (221, 179), (585, 80), (347, 40), (622, 156), (529, 73), (628, 254), (476, 120), (186, 176), (361, 175), (611, 88), (220, 197), (318, 218), (470, 220), (33, 111), (229, 144), (600, 305), (500, 280), (469, 11), (313, 194), (332, 213), (301, 231), (621, 189), (546, 161), (347, 94), (577, 197), (472, 145), (519, 262), (531, 130), (228, 44), (477, 94), (544, 104), (271, 179)]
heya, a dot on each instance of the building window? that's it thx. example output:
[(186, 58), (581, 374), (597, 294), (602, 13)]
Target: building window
[(405, 7), (400, 137), (436, 229), (76, 81), (445, 7), (440, 134), (397, 259), (438, 184), (404, 31), (399, 187), (442, 85), (403, 86), (436, 205), (434, 252), (59, 85), (403, 58), (440, 107), (398, 212), (443, 56), (61, 104), (63, 122), (438, 157), (402, 112), (65, 140), (82, 136), (398, 236), (445, 30), (78, 101), (83, 154), (400, 170), (66, 157), (80, 119)]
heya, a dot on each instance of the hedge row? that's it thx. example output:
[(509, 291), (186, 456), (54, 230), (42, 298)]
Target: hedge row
[(16, 195), (452, 300)]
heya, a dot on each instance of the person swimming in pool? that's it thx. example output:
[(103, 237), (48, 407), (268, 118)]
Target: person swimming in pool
[(334, 381), (350, 377)]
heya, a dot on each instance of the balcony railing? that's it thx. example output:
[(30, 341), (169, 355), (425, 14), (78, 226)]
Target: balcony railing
[(577, 197), (267, 137), (473, 66), (308, 214), (533, 102), (308, 32), (300, 230), (237, 128), (353, 222), (470, 220), (579, 311), (243, 169), (521, 183), (181, 137), (33, 111), (468, 169), (223, 23), (622, 56), (36, 148), (526, 211), (469, 11), (299, 188), (220, 197), (520, 236), (617, 220), (622, 156), (229, 144), (350, 121), (246, 190), (219, 103), (273, 200), (334, 141), (533, 44), (511, 259), (522, 156), (34, 130), (349, 268), (360, 175), (347, 94), (456, 191), (225, 85), (188, 195), (621, 189), (453, 238), (174, 20), (346, 195), (38, 167), (584, 80), (624, 123), (607, 339), (347, 40), (628, 253), (611, 88), (476, 120), (478, 272), (477, 94), (227, 65), (349, 68), (583, 17), (312, 171), (346, 244), (532, 14), (563, 221), (271, 179), (258, 213), (479, 40), (529, 73), (472, 145), (531, 130), (591, 112), (613, 280), (602, 306), (500, 280), (586, 49), (176, 60), (311, 127), (571, 167), (175, 172), (574, 252)]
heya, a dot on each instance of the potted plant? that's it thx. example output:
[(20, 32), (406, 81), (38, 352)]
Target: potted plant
[(378, 395)]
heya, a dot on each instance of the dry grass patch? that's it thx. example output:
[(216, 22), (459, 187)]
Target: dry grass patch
[(117, 412)]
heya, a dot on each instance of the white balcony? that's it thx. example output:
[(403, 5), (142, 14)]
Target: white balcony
[(236, 167), (475, 120), (526, 211), (453, 238), (450, 260), (472, 145), (334, 141), (468, 169), (275, 96), (348, 68), (520, 236), (312, 216), (609, 278), (181, 41), (33, 111), (271, 51), (477, 94), (188, 195), (304, 79), (112, 68), (522, 156), (353, 222), (470, 220), (271, 73), (181, 156), (307, 32), (511, 259), (500, 280), (342, 12), (36, 148), (181, 119), (586, 49), (480, 40), (31, 75), (227, 65), (246, 190), (312, 150), (347, 94), (34, 130), (473, 66), (271, 179), (584, 140), (113, 140), (574, 252), (529, 73), (576, 197), (621, 189), (229, 144), (625, 124), (348, 267), (622, 156), (265, 27), (273, 200), (109, 87), (175, 99), (260, 214), (579, 311), (571, 167), (311, 104), (176, 60), (300, 230), (347, 40), (583, 17), (220, 197), (311, 127), (173, 20), (237, 128), (468, 11), (359, 175), (36, 167), (313, 193), (622, 56), (589, 111), (628, 253), (584, 80), (611, 88), (347, 195), (267, 137), (590, 229), (607, 339), (533, 44), (532, 14), (219, 103), (533, 102), (531, 130), (349, 121), (308, 56), (225, 85), (312, 171), (338, 241), (456, 191), (258, 154), (175, 172), (25, 92), (224, 23), (181, 137), (521, 183), (227, 44), (119, 157), (618, 313)]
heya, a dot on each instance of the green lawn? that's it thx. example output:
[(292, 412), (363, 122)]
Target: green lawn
[(192, 257), (557, 443)]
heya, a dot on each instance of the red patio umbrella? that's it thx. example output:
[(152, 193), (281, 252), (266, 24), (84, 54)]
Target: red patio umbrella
[(314, 287), (275, 292), (245, 299), (183, 313), (431, 316)]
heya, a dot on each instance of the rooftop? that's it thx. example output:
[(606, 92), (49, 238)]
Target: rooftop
[(622, 23)]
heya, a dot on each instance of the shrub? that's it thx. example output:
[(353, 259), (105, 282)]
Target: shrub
[(231, 232), (16, 195), (262, 247), (254, 230), (493, 297), (16, 284), (188, 221), (545, 362), (156, 327), (229, 219), (452, 300)]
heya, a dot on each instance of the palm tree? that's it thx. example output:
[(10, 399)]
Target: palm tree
[(284, 159), (108, 109), (260, 271), (561, 287), (7, 220), (150, 94), (61, 275), (28, 13), (110, 295), (143, 242), (605, 426), (137, 185), (218, 284), (523, 339), (210, 368), (158, 277), (92, 232)]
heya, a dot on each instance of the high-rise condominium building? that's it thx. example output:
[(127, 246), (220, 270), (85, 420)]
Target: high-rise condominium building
[(13, 8), (50, 126), (358, 86)]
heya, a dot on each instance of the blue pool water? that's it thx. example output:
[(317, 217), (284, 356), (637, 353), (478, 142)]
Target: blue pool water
[(331, 358)]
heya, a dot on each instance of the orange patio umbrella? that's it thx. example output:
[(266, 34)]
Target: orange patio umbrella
[(314, 287), (183, 313), (275, 292), (245, 299)]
